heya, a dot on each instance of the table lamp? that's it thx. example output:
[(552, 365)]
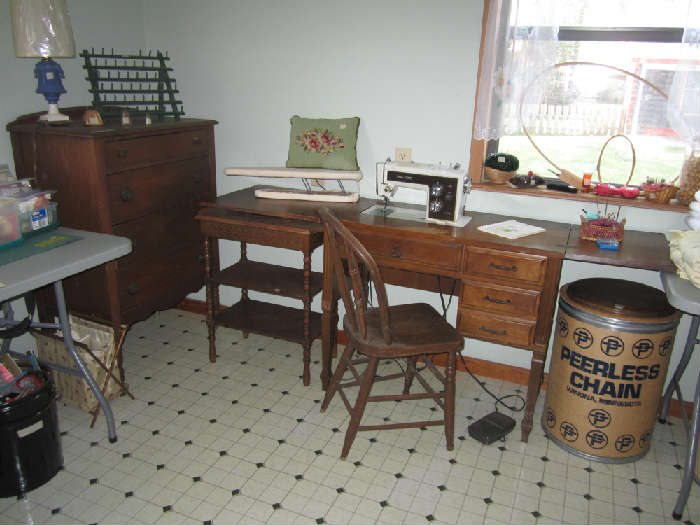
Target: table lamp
[(42, 29)]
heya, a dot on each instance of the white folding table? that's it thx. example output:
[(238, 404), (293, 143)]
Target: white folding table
[(51, 267)]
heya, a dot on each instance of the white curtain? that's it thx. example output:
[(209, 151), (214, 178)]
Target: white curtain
[(683, 108), (516, 50)]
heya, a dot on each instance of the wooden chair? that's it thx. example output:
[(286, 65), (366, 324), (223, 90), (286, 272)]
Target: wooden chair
[(407, 332)]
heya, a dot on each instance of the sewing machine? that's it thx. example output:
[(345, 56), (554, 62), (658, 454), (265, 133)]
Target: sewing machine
[(446, 188)]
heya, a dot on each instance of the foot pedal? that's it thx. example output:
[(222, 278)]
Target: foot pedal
[(491, 427)]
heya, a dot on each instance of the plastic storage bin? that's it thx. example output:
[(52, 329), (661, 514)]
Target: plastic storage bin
[(30, 443)]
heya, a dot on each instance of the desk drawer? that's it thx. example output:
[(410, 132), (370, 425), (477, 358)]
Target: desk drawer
[(481, 325), (416, 252), (501, 299), (137, 192), (126, 154), (497, 264)]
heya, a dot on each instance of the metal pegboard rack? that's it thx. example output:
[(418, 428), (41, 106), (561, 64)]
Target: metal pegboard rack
[(140, 83)]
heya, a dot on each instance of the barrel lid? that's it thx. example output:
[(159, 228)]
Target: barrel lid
[(619, 299)]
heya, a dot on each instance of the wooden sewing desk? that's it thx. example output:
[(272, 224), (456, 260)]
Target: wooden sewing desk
[(506, 289)]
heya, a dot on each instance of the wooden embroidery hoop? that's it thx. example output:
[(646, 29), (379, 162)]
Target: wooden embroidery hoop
[(564, 174)]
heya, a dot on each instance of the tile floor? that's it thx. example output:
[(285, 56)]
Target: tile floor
[(242, 441)]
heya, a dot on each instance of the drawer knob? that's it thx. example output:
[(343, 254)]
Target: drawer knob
[(396, 251), (496, 300), (126, 194), (196, 140), (494, 332), (503, 268), (133, 289), (122, 153)]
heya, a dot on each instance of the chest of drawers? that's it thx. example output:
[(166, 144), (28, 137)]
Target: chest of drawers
[(141, 182)]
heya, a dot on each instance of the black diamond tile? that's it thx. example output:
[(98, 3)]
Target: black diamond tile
[(129, 494), (340, 490), (588, 497), (155, 432), (123, 422), (320, 521), (64, 433), (541, 484), (637, 509), (196, 479), (167, 508), (357, 463), (212, 420), (235, 492), (244, 362), (147, 378), (160, 466), (430, 517), (204, 394), (197, 370), (589, 469), (246, 430), (335, 430), (488, 501), (469, 418), (170, 363), (411, 450), (477, 399), (318, 452), (151, 403), (544, 458), (224, 377), (253, 384), (536, 514), (673, 443), (384, 503), (461, 438), (276, 506), (188, 442), (424, 428), (266, 410), (234, 402), (677, 467), (285, 393), (635, 481), (387, 419), (180, 412), (453, 461), (261, 349), (502, 448), (299, 477), (56, 510), (398, 475), (442, 488), (372, 440), (300, 420), (94, 443), (270, 369), (495, 473), (126, 455), (93, 481), (281, 441), (175, 385), (222, 452), (260, 465), (208, 522)]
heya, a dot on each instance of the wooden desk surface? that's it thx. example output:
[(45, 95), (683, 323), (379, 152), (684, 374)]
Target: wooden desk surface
[(642, 250)]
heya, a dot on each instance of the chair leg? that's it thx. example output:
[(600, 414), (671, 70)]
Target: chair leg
[(410, 373), (360, 403), (674, 384), (337, 376), (691, 457), (450, 399)]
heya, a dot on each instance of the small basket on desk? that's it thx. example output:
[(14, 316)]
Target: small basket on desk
[(661, 195), (498, 176), (611, 229)]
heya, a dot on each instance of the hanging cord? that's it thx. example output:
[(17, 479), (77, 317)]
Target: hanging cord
[(499, 400), (442, 298)]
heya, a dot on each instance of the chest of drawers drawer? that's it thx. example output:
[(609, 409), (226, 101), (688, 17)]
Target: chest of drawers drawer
[(417, 254), (130, 153), (502, 330), (500, 265), (137, 192), (500, 299)]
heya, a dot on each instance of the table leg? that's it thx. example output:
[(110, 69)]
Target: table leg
[(307, 319), (212, 298), (691, 457), (533, 390), (64, 325)]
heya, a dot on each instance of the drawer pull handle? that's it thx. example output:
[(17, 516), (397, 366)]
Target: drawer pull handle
[(133, 289), (126, 194), (496, 300), (123, 153), (396, 251), (494, 332), (504, 268), (196, 140)]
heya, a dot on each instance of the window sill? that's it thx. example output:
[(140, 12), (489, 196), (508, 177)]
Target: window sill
[(639, 202)]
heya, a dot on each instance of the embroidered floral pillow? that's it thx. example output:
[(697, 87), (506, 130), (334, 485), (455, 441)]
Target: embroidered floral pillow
[(323, 143)]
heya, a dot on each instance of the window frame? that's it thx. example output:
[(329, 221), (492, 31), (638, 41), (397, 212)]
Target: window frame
[(480, 149)]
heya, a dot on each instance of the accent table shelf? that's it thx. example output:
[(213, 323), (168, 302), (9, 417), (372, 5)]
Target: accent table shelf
[(269, 278)]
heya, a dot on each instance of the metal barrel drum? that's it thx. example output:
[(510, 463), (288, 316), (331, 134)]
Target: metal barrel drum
[(609, 360)]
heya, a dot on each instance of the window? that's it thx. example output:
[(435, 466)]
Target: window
[(601, 69)]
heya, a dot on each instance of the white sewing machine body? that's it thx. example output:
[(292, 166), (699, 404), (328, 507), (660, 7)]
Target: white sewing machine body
[(446, 187)]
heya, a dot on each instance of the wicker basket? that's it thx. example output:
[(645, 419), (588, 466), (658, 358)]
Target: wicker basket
[(662, 195), (497, 176), (593, 232)]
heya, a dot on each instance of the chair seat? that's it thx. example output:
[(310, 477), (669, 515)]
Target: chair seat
[(416, 328)]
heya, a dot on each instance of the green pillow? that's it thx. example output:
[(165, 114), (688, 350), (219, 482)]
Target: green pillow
[(323, 143)]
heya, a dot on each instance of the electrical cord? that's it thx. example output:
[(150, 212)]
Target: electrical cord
[(499, 400)]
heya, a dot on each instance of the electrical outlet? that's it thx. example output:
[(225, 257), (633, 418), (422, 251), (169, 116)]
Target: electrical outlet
[(403, 154)]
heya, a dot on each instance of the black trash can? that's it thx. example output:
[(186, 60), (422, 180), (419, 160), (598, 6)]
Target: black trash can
[(30, 443)]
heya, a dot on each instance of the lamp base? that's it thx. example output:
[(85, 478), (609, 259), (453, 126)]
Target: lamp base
[(53, 115)]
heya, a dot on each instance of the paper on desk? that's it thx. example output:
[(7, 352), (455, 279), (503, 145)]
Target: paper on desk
[(511, 229)]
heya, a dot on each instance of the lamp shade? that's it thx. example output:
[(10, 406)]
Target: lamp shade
[(41, 28)]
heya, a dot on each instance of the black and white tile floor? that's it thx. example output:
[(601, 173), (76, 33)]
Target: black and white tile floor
[(242, 441)]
